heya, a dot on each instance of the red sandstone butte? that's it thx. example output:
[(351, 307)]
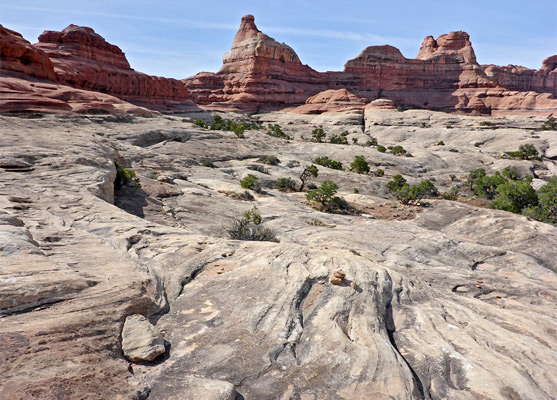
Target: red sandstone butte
[(84, 59), (259, 72)]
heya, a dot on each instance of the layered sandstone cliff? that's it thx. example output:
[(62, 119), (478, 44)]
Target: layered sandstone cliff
[(445, 76), (84, 59)]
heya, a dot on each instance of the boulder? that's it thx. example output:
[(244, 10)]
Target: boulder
[(141, 341)]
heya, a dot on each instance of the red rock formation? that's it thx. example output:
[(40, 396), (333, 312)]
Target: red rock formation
[(83, 59), (445, 76), (331, 101), (257, 71), (19, 57), (514, 77)]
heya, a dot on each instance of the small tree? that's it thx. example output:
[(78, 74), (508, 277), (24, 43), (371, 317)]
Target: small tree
[(285, 184), (525, 152), (318, 134), (514, 196), (327, 162), (249, 227), (324, 195), (486, 186), (381, 149), (550, 124), (359, 165), (410, 194), (310, 171), (546, 211)]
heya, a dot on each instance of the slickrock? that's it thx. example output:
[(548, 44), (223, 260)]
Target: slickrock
[(454, 300)]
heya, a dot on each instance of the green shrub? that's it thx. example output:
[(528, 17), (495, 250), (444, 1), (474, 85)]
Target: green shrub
[(440, 143), (201, 123), (339, 139), (285, 184), (325, 197), (485, 123), (209, 164), (546, 210), (398, 150), (550, 124), (354, 140), (525, 152), (250, 181), (317, 134), (276, 131), (356, 190), (411, 194), (344, 133), (269, 160), (125, 177), (310, 171), (359, 165), (328, 163), (379, 172), (381, 149), (400, 109), (486, 186), (512, 173), (371, 142), (249, 227), (514, 196), (424, 125), (451, 194)]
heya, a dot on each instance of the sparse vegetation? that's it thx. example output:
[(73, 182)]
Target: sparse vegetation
[(381, 149), (125, 177), (354, 140), (324, 197), (451, 194), (371, 142), (550, 124), (218, 123), (424, 125), (525, 152), (201, 123), (249, 227), (379, 172), (328, 163), (285, 184), (339, 139), (359, 165), (440, 143), (209, 164), (398, 151), (317, 135), (400, 109), (411, 194), (276, 131), (356, 191), (310, 171), (250, 181), (269, 160)]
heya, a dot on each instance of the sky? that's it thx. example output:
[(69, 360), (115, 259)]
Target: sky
[(177, 39)]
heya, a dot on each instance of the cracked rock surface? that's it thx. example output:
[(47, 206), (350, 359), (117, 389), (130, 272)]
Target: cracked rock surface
[(453, 300)]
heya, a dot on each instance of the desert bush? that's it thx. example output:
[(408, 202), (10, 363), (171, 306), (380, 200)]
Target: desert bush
[(486, 185), (451, 194), (325, 197), (485, 123), (400, 109), (276, 131), (327, 162), (398, 150), (440, 143), (209, 164), (269, 160), (514, 196), (411, 194), (125, 177), (339, 139), (371, 142), (259, 168), (546, 210), (525, 152), (201, 123), (249, 227), (359, 165), (285, 184), (381, 149), (317, 135), (550, 124), (250, 181), (512, 173), (356, 191), (310, 171), (379, 172), (354, 140), (219, 123), (424, 125)]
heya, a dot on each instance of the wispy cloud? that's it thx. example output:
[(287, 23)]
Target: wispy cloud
[(181, 21)]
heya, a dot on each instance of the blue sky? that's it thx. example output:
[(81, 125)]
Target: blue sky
[(180, 38)]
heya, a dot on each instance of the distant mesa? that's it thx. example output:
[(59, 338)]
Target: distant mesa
[(259, 73)]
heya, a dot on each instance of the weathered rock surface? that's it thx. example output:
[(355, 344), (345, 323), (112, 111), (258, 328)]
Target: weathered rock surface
[(449, 301), (141, 341)]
